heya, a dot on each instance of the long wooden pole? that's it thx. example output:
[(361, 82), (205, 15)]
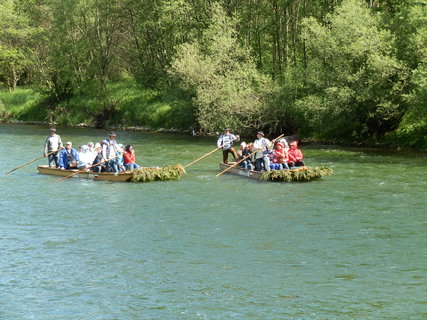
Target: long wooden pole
[(23, 165), (246, 157), (82, 170), (207, 154)]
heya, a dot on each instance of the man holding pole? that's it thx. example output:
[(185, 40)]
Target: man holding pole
[(263, 145), (53, 143), (225, 141), (110, 150)]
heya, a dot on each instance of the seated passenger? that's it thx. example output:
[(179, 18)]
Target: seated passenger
[(98, 159), (273, 166), (248, 163), (295, 155), (280, 160), (86, 158), (241, 149), (120, 159), (91, 147), (129, 158), (68, 157)]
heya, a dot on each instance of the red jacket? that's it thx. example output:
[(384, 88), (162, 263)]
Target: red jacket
[(129, 157), (295, 155), (280, 156)]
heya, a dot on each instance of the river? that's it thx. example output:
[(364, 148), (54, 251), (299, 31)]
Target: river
[(349, 246)]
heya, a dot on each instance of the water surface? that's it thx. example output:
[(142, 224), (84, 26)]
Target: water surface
[(349, 246)]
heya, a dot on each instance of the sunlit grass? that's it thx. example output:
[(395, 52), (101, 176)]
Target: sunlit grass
[(21, 104), (128, 104)]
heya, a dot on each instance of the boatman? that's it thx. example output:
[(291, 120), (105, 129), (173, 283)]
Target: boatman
[(110, 150), (53, 143), (263, 145), (225, 141)]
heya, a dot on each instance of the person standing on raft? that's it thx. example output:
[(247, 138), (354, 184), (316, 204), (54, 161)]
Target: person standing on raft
[(53, 143), (263, 145), (110, 150), (225, 141)]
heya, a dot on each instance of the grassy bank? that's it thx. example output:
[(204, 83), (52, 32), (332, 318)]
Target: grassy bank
[(22, 104), (128, 104)]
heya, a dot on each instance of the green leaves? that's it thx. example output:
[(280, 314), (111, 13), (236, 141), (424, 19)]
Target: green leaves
[(354, 73), (344, 70), (219, 71), (173, 172), (296, 175), (15, 53)]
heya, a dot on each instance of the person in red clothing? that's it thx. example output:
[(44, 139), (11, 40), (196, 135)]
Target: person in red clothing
[(281, 156), (295, 155), (129, 158)]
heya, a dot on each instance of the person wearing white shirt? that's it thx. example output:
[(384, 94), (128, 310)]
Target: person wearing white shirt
[(263, 145), (225, 141), (110, 150)]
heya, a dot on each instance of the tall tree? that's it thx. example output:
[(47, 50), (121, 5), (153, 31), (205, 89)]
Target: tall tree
[(413, 50), (15, 52), (228, 89), (354, 78)]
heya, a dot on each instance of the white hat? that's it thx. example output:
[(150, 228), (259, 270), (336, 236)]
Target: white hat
[(285, 143)]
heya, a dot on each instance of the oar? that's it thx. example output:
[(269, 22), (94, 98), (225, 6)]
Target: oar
[(82, 170), (204, 156), (245, 158), (23, 165)]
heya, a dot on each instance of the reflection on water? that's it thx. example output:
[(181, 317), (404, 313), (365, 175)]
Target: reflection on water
[(349, 246)]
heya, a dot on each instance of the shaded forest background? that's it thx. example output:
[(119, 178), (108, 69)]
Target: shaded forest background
[(335, 70)]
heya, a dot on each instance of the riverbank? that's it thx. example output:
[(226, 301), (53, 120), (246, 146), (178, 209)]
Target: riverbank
[(130, 106), (135, 108)]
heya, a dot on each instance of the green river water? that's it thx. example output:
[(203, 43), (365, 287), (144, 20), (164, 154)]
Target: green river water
[(349, 246)]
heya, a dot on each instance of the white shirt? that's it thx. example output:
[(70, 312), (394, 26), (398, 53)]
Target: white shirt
[(262, 144)]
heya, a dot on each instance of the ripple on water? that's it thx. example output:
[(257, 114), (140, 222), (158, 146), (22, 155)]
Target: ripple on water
[(349, 246)]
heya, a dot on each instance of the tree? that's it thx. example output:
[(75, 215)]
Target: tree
[(412, 130), (228, 89), (15, 54), (355, 80)]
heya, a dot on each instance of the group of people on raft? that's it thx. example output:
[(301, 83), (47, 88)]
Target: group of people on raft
[(262, 154), (105, 156), (110, 156)]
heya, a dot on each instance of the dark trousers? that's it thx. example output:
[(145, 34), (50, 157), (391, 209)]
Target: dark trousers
[(53, 160), (226, 152), (97, 168), (112, 166), (297, 164)]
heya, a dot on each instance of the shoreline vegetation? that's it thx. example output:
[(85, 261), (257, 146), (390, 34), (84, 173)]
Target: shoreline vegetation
[(24, 106), (347, 71)]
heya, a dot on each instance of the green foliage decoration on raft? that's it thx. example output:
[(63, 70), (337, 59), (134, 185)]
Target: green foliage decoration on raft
[(301, 174), (173, 172)]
